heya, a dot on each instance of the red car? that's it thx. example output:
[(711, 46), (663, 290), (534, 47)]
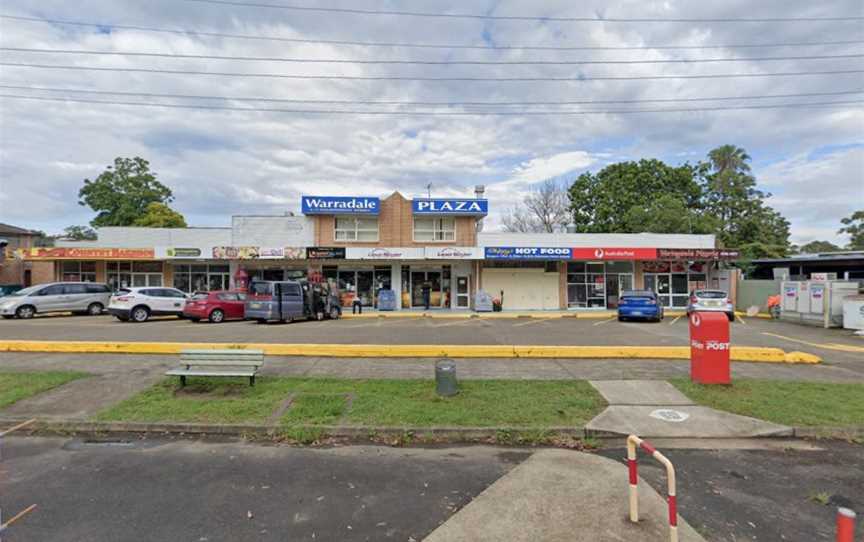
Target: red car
[(215, 306)]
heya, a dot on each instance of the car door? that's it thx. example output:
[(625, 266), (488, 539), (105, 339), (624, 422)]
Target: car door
[(74, 297), (292, 304), (49, 299), (229, 303), (175, 300)]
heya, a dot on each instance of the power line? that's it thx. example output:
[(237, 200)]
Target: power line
[(429, 45), (434, 113), (354, 11), (425, 62), (424, 78), (426, 103)]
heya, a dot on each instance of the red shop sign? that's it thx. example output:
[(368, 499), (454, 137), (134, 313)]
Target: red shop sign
[(610, 253)]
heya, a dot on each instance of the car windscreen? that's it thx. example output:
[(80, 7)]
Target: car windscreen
[(710, 294), (200, 296), (25, 291)]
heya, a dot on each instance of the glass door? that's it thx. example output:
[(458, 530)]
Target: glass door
[(596, 282), (664, 289), (462, 292), (364, 287), (433, 281)]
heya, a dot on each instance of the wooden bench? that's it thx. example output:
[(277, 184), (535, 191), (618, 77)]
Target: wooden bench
[(234, 363)]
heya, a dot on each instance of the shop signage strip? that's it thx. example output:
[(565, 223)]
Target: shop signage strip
[(258, 253), (528, 253), (325, 253), (697, 254), (336, 205), (453, 253), (72, 253), (380, 253), (614, 253), (469, 207)]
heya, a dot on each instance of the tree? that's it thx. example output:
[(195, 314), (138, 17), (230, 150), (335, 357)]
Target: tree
[(79, 233), (668, 214), (159, 215), (853, 226), (545, 210), (814, 247), (744, 220), (121, 194), (620, 197)]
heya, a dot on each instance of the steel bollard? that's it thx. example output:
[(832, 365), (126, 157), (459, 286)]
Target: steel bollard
[(445, 378)]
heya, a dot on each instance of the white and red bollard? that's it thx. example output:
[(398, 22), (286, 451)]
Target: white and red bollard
[(845, 525), (632, 443)]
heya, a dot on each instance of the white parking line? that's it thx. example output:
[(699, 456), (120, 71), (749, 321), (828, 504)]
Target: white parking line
[(601, 322), (531, 322), (675, 319)]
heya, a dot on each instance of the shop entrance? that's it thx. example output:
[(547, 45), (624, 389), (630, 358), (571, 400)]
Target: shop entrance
[(671, 288), (356, 285), (432, 279)]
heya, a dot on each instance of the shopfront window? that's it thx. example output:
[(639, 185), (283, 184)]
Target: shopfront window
[(434, 228), (78, 271), (134, 274), (586, 285), (673, 281), (351, 228), (201, 277)]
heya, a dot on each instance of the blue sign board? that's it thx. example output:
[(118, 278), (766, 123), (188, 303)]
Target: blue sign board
[(528, 253), (339, 205), (469, 207)]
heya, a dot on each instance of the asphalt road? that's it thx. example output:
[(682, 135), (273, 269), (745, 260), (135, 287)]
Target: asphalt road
[(209, 492), (763, 495), (830, 344)]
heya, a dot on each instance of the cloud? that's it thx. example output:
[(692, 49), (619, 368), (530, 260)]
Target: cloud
[(219, 162)]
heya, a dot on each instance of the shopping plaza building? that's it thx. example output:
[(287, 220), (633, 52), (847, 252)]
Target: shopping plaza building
[(366, 244)]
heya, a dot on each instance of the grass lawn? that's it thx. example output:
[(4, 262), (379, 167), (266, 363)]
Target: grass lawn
[(365, 402), (17, 386), (784, 402)]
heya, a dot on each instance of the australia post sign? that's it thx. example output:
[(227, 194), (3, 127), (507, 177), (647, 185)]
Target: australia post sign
[(339, 205), (469, 207)]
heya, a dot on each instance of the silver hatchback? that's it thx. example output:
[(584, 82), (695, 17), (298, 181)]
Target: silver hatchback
[(711, 301), (80, 297)]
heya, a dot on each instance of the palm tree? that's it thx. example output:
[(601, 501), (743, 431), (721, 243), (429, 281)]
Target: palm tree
[(729, 158)]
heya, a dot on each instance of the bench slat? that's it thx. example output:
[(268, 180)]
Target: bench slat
[(184, 372), (223, 363), (224, 352)]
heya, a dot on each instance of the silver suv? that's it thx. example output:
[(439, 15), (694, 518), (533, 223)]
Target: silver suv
[(80, 297)]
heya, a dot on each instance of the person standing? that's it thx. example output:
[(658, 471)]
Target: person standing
[(426, 290)]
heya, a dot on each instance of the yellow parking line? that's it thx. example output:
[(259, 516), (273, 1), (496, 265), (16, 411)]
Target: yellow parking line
[(604, 321), (827, 346)]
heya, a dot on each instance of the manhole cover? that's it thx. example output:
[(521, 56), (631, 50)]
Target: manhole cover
[(669, 415)]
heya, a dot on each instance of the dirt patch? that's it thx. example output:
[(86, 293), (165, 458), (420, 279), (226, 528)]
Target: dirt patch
[(207, 392)]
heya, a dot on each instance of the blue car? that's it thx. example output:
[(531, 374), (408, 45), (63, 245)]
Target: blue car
[(639, 305)]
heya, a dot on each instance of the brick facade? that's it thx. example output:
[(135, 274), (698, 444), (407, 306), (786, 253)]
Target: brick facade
[(395, 228)]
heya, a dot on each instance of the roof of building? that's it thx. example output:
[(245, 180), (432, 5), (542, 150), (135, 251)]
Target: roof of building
[(820, 257), (8, 229), (616, 240)]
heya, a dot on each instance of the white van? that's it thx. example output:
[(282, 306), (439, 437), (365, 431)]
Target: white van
[(79, 297)]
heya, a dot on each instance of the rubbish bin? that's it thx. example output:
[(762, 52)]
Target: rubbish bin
[(445, 378), (482, 302), (709, 348), (386, 300)]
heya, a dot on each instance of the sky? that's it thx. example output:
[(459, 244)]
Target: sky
[(222, 162)]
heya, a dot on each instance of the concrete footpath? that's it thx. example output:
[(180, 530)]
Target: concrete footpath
[(651, 408), (559, 495)]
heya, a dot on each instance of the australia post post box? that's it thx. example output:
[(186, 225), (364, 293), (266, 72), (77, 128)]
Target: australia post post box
[(709, 348)]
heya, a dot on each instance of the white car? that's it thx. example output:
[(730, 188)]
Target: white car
[(139, 304)]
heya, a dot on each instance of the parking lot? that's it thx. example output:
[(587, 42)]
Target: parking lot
[(832, 345)]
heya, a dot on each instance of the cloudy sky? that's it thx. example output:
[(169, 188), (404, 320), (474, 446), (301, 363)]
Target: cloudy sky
[(223, 162)]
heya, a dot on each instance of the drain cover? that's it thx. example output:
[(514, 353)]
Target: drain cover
[(669, 415)]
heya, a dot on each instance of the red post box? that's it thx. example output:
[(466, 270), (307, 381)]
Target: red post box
[(709, 348)]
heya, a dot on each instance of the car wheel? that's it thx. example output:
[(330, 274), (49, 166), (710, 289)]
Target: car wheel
[(95, 309), (26, 311), (217, 315), (140, 314)]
